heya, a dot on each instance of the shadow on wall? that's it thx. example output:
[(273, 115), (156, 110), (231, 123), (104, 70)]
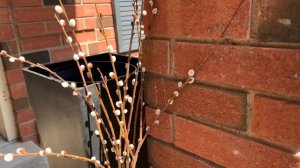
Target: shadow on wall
[(276, 21)]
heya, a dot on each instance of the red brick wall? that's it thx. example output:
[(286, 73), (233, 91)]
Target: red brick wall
[(29, 27), (243, 110)]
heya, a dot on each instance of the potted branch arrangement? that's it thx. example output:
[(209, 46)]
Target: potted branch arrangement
[(119, 122)]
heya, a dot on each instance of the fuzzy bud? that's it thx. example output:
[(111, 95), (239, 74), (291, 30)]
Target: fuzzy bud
[(8, 157), (72, 23), (62, 22), (58, 9), (12, 59), (76, 57)]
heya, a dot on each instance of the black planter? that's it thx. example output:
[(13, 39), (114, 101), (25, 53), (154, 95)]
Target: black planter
[(63, 120)]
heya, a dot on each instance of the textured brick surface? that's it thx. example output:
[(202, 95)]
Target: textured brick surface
[(226, 149), (18, 90), (25, 116), (156, 60), (164, 130), (206, 19), (6, 32), (163, 156), (34, 14), (32, 29), (4, 16), (269, 69), (212, 105), (42, 42), (27, 128), (14, 76), (276, 121), (266, 18), (22, 3)]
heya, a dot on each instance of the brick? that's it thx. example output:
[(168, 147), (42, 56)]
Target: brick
[(110, 34), (42, 42), (4, 16), (28, 128), (266, 17), (6, 32), (18, 90), (276, 121), (105, 9), (268, 69), (93, 22), (14, 76), (228, 150), (164, 156), (88, 10), (20, 104), (3, 3), (164, 130), (85, 36), (98, 47), (34, 14), (10, 46), (54, 27), (225, 108), (65, 53), (96, 1), (32, 29), (27, 3), (204, 22), (25, 116), (156, 60)]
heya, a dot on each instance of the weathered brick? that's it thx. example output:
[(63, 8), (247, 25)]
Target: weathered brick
[(25, 116), (199, 102), (93, 22), (32, 29), (3, 3), (98, 47), (156, 54), (96, 1), (164, 130), (20, 104), (6, 32), (14, 76), (200, 19), (268, 69), (266, 20), (85, 36), (17, 90), (228, 150), (54, 27), (164, 156), (27, 128), (277, 121), (88, 10), (4, 16), (34, 14), (42, 42), (22, 3), (65, 53), (109, 32)]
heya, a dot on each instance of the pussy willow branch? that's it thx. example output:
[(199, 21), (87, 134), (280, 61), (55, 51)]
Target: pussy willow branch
[(84, 81), (187, 81), (53, 154)]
